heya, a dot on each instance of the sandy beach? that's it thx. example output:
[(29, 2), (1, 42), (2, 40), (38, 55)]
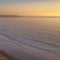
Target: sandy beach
[(5, 56)]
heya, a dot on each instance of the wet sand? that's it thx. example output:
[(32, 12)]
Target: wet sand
[(5, 56)]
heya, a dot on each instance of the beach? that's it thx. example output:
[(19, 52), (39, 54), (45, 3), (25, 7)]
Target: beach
[(5, 56)]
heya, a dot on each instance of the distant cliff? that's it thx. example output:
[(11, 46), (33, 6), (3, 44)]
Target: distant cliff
[(30, 16), (9, 16)]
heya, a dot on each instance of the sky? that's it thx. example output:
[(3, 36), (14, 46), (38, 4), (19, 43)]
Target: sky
[(30, 7)]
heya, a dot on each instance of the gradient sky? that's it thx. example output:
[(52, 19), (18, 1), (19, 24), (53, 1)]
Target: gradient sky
[(30, 7)]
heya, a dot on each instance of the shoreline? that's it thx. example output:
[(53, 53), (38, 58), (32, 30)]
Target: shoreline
[(5, 56)]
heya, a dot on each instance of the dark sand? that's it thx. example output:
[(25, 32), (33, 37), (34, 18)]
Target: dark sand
[(5, 56)]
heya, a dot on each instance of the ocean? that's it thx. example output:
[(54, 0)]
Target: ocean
[(30, 38)]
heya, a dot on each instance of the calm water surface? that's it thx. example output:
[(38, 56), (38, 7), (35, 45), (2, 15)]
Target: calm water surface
[(31, 38)]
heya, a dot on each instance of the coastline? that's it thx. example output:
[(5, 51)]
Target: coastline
[(5, 56), (30, 16)]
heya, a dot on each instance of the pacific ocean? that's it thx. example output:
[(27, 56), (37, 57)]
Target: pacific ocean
[(30, 38)]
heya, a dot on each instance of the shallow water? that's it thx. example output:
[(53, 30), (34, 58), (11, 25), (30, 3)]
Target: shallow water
[(31, 38)]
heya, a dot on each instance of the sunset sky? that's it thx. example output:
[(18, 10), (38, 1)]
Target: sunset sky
[(30, 7)]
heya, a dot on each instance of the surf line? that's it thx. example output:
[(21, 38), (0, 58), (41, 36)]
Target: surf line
[(38, 45)]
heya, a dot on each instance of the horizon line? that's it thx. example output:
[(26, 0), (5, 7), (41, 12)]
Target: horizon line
[(29, 16)]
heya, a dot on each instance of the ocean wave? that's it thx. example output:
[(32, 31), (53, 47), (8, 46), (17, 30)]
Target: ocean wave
[(52, 48)]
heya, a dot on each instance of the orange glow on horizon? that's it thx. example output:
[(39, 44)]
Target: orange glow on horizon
[(32, 9)]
